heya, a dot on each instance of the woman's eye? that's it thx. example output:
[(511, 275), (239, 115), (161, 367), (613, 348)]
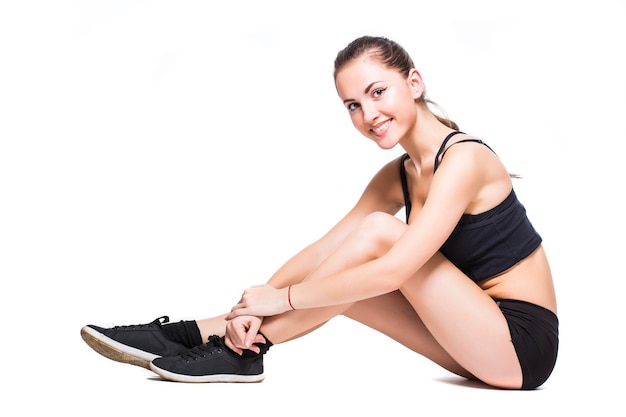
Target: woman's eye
[(352, 106), (378, 92)]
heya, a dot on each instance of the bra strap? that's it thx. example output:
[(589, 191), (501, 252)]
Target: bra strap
[(405, 187), (441, 154), (442, 147)]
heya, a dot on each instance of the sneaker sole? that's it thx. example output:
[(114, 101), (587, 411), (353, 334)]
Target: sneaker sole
[(114, 350), (170, 376)]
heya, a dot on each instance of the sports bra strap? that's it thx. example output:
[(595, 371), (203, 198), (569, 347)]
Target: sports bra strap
[(442, 152), (405, 186)]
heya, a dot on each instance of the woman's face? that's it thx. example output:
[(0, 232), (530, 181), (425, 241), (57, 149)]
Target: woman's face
[(380, 100)]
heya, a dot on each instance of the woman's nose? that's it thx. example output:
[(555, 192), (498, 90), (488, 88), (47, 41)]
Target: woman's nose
[(370, 112)]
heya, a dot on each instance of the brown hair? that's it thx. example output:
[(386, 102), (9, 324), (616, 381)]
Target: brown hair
[(392, 55)]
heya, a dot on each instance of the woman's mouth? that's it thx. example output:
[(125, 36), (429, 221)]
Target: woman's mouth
[(381, 128)]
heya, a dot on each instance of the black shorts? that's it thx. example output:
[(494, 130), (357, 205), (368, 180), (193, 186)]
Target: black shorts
[(535, 336)]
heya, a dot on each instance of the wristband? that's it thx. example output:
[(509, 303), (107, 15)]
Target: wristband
[(289, 298)]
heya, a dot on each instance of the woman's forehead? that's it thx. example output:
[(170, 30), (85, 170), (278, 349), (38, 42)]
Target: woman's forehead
[(359, 73)]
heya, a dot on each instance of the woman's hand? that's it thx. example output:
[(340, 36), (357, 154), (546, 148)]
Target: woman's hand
[(261, 300), (242, 333)]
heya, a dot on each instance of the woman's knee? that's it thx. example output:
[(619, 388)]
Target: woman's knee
[(377, 233)]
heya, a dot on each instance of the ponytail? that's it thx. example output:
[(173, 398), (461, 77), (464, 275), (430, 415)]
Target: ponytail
[(442, 118)]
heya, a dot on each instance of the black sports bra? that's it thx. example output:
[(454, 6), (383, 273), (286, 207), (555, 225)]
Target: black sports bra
[(485, 244)]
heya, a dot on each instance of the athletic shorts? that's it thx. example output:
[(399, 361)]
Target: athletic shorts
[(535, 336)]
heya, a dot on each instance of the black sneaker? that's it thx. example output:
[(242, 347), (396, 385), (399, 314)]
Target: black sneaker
[(210, 362), (135, 345)]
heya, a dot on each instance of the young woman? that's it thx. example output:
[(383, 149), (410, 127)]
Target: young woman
[(464, 281)]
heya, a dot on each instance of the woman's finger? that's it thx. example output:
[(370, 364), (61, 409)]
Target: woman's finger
[(238, 306), (236, 312)]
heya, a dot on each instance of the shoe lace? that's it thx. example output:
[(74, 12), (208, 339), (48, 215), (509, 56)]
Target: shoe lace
[(159, 321), (214, 345)]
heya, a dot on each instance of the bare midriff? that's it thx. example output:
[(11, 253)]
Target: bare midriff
[(529, 280)]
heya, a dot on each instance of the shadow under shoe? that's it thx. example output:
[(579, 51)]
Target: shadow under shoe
[(210, 362), (135, 344)]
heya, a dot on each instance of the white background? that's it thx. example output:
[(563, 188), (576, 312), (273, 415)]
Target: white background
[(159, 157)]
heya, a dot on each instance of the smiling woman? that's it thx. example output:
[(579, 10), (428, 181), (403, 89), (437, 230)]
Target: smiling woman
[(467, 253), (392, 55)]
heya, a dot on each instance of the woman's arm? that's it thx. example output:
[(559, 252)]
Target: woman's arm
[(453, 189), (383, 193), (467, 170)]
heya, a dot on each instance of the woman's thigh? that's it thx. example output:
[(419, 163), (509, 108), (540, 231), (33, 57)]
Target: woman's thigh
[(465, 321), (392, 315), (442, 314)]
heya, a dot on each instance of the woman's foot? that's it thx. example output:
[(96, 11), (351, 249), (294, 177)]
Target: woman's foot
[(212, 362), (136, 344)]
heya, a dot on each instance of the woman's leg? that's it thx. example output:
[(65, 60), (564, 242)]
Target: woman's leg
[(368, 241), (465, 321), (212, 326), (356, 249), (392, 315), (439, 312)]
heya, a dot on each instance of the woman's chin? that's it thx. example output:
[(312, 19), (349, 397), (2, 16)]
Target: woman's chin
[(387, 145)]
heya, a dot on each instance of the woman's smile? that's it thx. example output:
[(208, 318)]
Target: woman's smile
[(380, 129)]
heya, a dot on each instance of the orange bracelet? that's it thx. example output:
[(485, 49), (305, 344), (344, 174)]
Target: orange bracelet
[(289, 298)]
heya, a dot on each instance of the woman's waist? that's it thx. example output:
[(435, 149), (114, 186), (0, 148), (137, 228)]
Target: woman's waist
[(529, 280)]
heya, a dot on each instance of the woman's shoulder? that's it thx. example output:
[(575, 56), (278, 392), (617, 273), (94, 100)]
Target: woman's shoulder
[(385, 186), (392, 170)]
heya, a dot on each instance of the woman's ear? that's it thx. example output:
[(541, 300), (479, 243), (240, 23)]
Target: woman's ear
[(416, 83)]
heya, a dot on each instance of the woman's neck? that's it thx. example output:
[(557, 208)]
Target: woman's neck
[(423, 142)]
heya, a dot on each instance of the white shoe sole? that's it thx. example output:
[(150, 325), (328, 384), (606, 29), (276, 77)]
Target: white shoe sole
[(116, 351), (205, 378)]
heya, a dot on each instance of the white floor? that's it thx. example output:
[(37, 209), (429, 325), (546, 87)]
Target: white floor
[(155, 161)]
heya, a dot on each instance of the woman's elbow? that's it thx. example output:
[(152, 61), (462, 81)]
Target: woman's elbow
[(393, 277)]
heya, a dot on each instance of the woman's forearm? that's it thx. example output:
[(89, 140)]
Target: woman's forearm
[(354, 284), (298, 267)]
